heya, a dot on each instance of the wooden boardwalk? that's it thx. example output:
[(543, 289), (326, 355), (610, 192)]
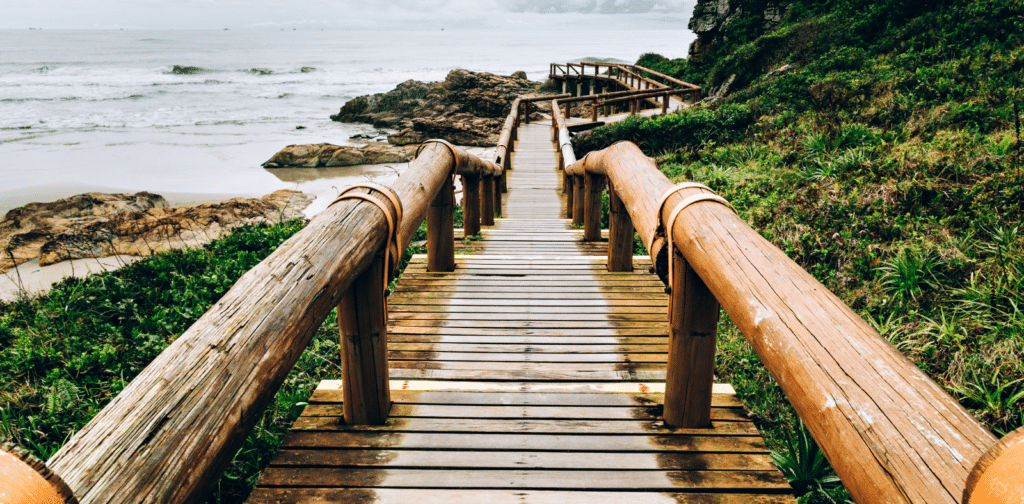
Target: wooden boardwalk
[(530, 374)]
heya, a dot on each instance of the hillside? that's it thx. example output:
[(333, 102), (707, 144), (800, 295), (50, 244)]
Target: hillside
[(876, 143)]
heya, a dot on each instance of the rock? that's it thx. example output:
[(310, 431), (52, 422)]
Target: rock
[(325, 154), (711, 16), (782, 70), (468, 108), (99, 225), (519, 75)]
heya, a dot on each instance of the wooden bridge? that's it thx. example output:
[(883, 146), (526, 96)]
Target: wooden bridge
[(545, 365)]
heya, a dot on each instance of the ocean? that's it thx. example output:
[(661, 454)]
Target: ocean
[(105, 111)]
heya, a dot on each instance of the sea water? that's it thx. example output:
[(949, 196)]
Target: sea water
[(105, 110)]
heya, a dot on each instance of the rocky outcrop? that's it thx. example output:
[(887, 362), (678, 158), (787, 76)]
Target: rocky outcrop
[(325, 154), (99, 225), (711, 19), (468, 108)]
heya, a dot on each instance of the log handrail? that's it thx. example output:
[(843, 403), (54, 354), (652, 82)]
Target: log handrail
[(890, 432), (174, 429)]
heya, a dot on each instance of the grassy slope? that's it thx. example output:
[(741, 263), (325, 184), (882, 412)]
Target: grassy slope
[(884, 164)]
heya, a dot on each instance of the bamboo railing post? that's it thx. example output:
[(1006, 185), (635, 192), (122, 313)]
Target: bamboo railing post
[(441, 229), (693, 326), (364, 347), (620, 234), (664, 104), (593, 110), (593, 190), (486, 200), (470, 206), (578, 198)]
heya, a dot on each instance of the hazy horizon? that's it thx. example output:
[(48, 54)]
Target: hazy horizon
[(352, 15)]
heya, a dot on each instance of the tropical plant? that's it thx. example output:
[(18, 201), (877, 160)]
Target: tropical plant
[(803, 463)]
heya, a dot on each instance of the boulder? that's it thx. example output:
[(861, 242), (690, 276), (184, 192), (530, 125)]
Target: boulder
[(95, 225), (519, 74), (325, 154), (468, 108)]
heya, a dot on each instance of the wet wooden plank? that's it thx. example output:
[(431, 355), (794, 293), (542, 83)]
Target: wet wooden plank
[(453, 496), (526, 479), (524, 426), (322, 395), (524, 460), (650, 413)]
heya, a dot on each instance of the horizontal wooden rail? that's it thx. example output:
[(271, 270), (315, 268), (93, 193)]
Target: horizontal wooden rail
[(172, 431), (890, 432)]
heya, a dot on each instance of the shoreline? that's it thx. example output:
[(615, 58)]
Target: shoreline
[(323, 184)]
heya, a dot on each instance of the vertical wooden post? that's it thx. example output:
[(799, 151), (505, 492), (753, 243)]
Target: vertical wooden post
[(664, 105), (364, 348), (578, 197), (593, 190), (486, 200), (620, 234), (496, 190), (567, 186), (470, 205), (593, 110), (579, 88), (441, 230), (566, 112), (693, 326), (564, 82)]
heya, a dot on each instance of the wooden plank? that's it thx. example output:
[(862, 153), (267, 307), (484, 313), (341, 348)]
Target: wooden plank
[(459, 496), (527, 442), (524, 426), (526, 479), (524, 460), (402, 350), (533, 398), (531, 357), (635, 373), (650, 413)]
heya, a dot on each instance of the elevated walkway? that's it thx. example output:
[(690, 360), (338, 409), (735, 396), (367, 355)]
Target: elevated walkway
[(529, 374)]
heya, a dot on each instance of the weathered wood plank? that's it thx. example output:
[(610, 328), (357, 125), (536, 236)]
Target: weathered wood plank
[(458, 496), (524, 460), (763, 481)]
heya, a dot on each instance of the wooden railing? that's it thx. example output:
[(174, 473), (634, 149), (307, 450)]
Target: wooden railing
[(890, 432), (169, 435), (637, 77)]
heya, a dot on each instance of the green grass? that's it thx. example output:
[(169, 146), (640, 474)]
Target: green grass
[(886, 164)]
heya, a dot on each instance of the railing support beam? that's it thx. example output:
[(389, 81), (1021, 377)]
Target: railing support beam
[(693, 326), (578, 200), (593, 190), (470, 206), (487, 200), (620, 234), (441, 230), (364, 348)]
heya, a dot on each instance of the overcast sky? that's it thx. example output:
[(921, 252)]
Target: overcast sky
[(348, 14)]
